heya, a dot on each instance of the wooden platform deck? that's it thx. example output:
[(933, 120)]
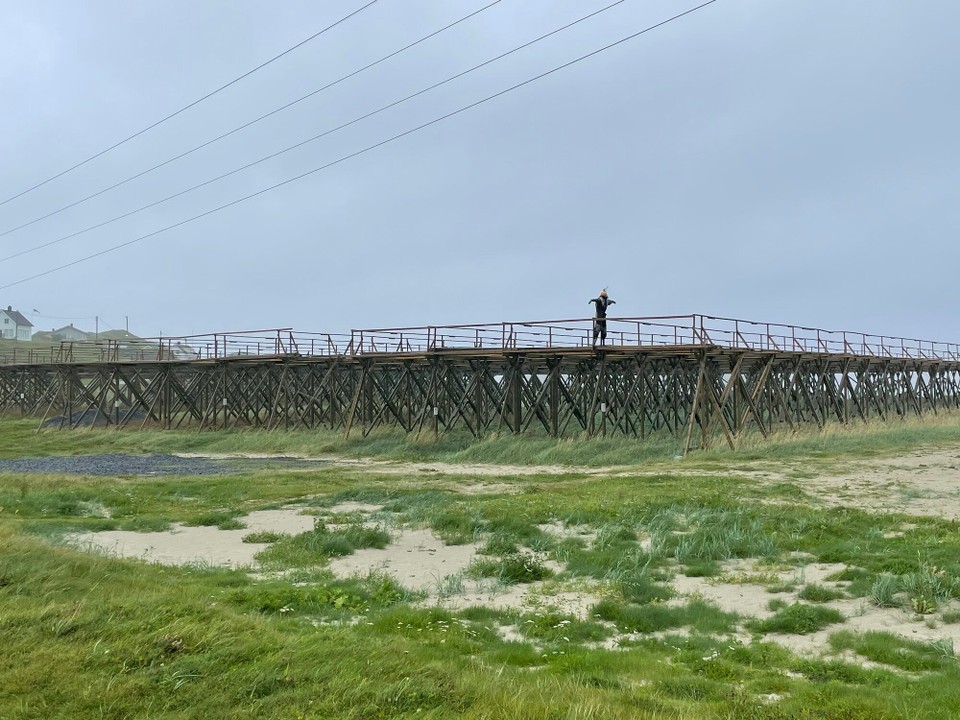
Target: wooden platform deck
[(677, 379)]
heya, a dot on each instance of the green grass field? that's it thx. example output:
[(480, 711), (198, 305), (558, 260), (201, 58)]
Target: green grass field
[(88, 635)]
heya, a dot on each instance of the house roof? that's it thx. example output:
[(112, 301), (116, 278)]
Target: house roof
[(71, 327), (118, 335), (17, 318)]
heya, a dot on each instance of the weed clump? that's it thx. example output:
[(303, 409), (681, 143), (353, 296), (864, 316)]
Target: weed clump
[(927, 587), (555, 627), (512, 568), (884, 589), (316, 546), (798, 619), (321, 598), (890, 649), (263, 536), (656, 616), (222, 519), (819, 593), (455, 526), (500, 545), (718, 534)]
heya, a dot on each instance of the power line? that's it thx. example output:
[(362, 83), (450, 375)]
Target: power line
[(246, 125), (315, 137), (364, 150), (65, 317), (194, 103)]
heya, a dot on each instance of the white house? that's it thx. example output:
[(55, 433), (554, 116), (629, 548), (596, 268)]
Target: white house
[(14, 326)]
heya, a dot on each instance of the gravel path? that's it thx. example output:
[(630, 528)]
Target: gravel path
[(120, 465)]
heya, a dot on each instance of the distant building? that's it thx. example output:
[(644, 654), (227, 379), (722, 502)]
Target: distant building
[(14, 326), (182, 351), (69, 332)]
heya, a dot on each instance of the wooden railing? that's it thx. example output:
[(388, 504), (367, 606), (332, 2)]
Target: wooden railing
[(622, 333)]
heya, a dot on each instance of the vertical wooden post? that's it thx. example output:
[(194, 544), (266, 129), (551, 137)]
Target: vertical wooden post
[(696, 400)]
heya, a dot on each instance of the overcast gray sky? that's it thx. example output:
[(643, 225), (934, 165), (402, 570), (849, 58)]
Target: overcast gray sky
[(788, 161)]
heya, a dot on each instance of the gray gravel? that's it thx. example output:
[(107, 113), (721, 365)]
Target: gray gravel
[(119, 465)]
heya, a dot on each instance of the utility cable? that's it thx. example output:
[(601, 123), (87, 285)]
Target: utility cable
[(312, 139), (364, 150), (248, 124), (194, 103)]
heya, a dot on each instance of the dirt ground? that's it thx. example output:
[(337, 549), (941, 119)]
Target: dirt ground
[(921, 483), (916, 484)]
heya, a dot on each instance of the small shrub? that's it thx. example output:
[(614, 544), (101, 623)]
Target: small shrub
[(638, 618), (450, 585), (655, 617), (614, 534), (611, 563), (455, 526), (884, 589), (141, 523), (798, 619), (263, 536), (702, 568), (926, 587), (315, 546), (943, 648), (336, 543), (231, 524), (860, 580), (638, 588), (835, 670), (350, 596), (565, 549), (848, 574), (500, 545), (555, 627), (691, 687), (519, 567), (721, 535), (541, 543), (819, 593), (223, 519)]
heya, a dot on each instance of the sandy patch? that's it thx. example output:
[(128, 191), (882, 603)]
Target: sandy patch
[(914, 484), (476, 470), (182, 545), (749, 599), (528, 597), (745, 600), (922, 483), (418, 560), (860, 615), (925, 482), (399, 467), (354, 507), (489, 488)]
